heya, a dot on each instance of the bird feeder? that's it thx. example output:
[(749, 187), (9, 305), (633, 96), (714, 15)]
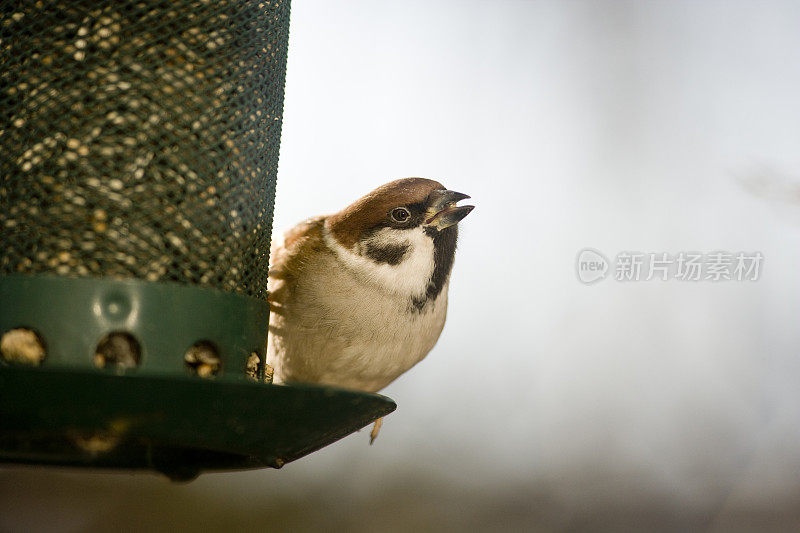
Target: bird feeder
[(138, 154)]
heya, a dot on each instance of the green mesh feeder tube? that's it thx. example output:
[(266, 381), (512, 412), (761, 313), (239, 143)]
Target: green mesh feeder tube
[(139, 148)]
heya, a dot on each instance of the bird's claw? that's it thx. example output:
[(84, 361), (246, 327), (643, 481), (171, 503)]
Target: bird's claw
[(375, 430)]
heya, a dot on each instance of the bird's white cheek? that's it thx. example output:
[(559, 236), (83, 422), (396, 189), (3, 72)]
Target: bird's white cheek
[(409, 277)]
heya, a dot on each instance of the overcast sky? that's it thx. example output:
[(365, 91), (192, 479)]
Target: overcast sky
[(621, 126)]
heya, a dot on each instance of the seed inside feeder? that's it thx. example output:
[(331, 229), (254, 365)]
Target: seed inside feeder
[(251, 368), (22, 345), (203, 359), (118, 350)]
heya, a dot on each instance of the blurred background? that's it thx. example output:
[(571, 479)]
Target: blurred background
[(547, 404)]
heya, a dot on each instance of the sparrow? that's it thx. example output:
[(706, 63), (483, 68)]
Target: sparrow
[(359, 297)]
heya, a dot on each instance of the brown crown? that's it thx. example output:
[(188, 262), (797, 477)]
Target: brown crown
[(348, 225)]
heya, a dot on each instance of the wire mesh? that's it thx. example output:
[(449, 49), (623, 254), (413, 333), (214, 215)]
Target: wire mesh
[(139, 139)]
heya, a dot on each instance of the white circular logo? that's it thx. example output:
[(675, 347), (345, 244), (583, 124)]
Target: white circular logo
[(591, 266)]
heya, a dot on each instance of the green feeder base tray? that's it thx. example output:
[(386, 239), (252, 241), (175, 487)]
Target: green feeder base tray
[(178, 426)]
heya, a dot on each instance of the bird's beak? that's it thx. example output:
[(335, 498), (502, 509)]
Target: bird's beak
[(444, 212)]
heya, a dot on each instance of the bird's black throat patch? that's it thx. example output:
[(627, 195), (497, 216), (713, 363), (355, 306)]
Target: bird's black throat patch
[(444, 253), (391, 254)]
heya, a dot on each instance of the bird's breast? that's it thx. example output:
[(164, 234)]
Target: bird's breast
[(338, 330)]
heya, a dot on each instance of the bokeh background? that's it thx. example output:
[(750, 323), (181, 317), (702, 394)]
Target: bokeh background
[(547, 404)]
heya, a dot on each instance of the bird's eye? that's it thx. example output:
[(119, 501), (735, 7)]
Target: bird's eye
[(400, 214)]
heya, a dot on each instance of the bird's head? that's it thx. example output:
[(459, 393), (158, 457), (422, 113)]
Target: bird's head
[(402, 236)]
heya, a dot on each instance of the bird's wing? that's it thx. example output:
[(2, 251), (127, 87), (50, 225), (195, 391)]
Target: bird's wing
[(287, 257), (303, 230)]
